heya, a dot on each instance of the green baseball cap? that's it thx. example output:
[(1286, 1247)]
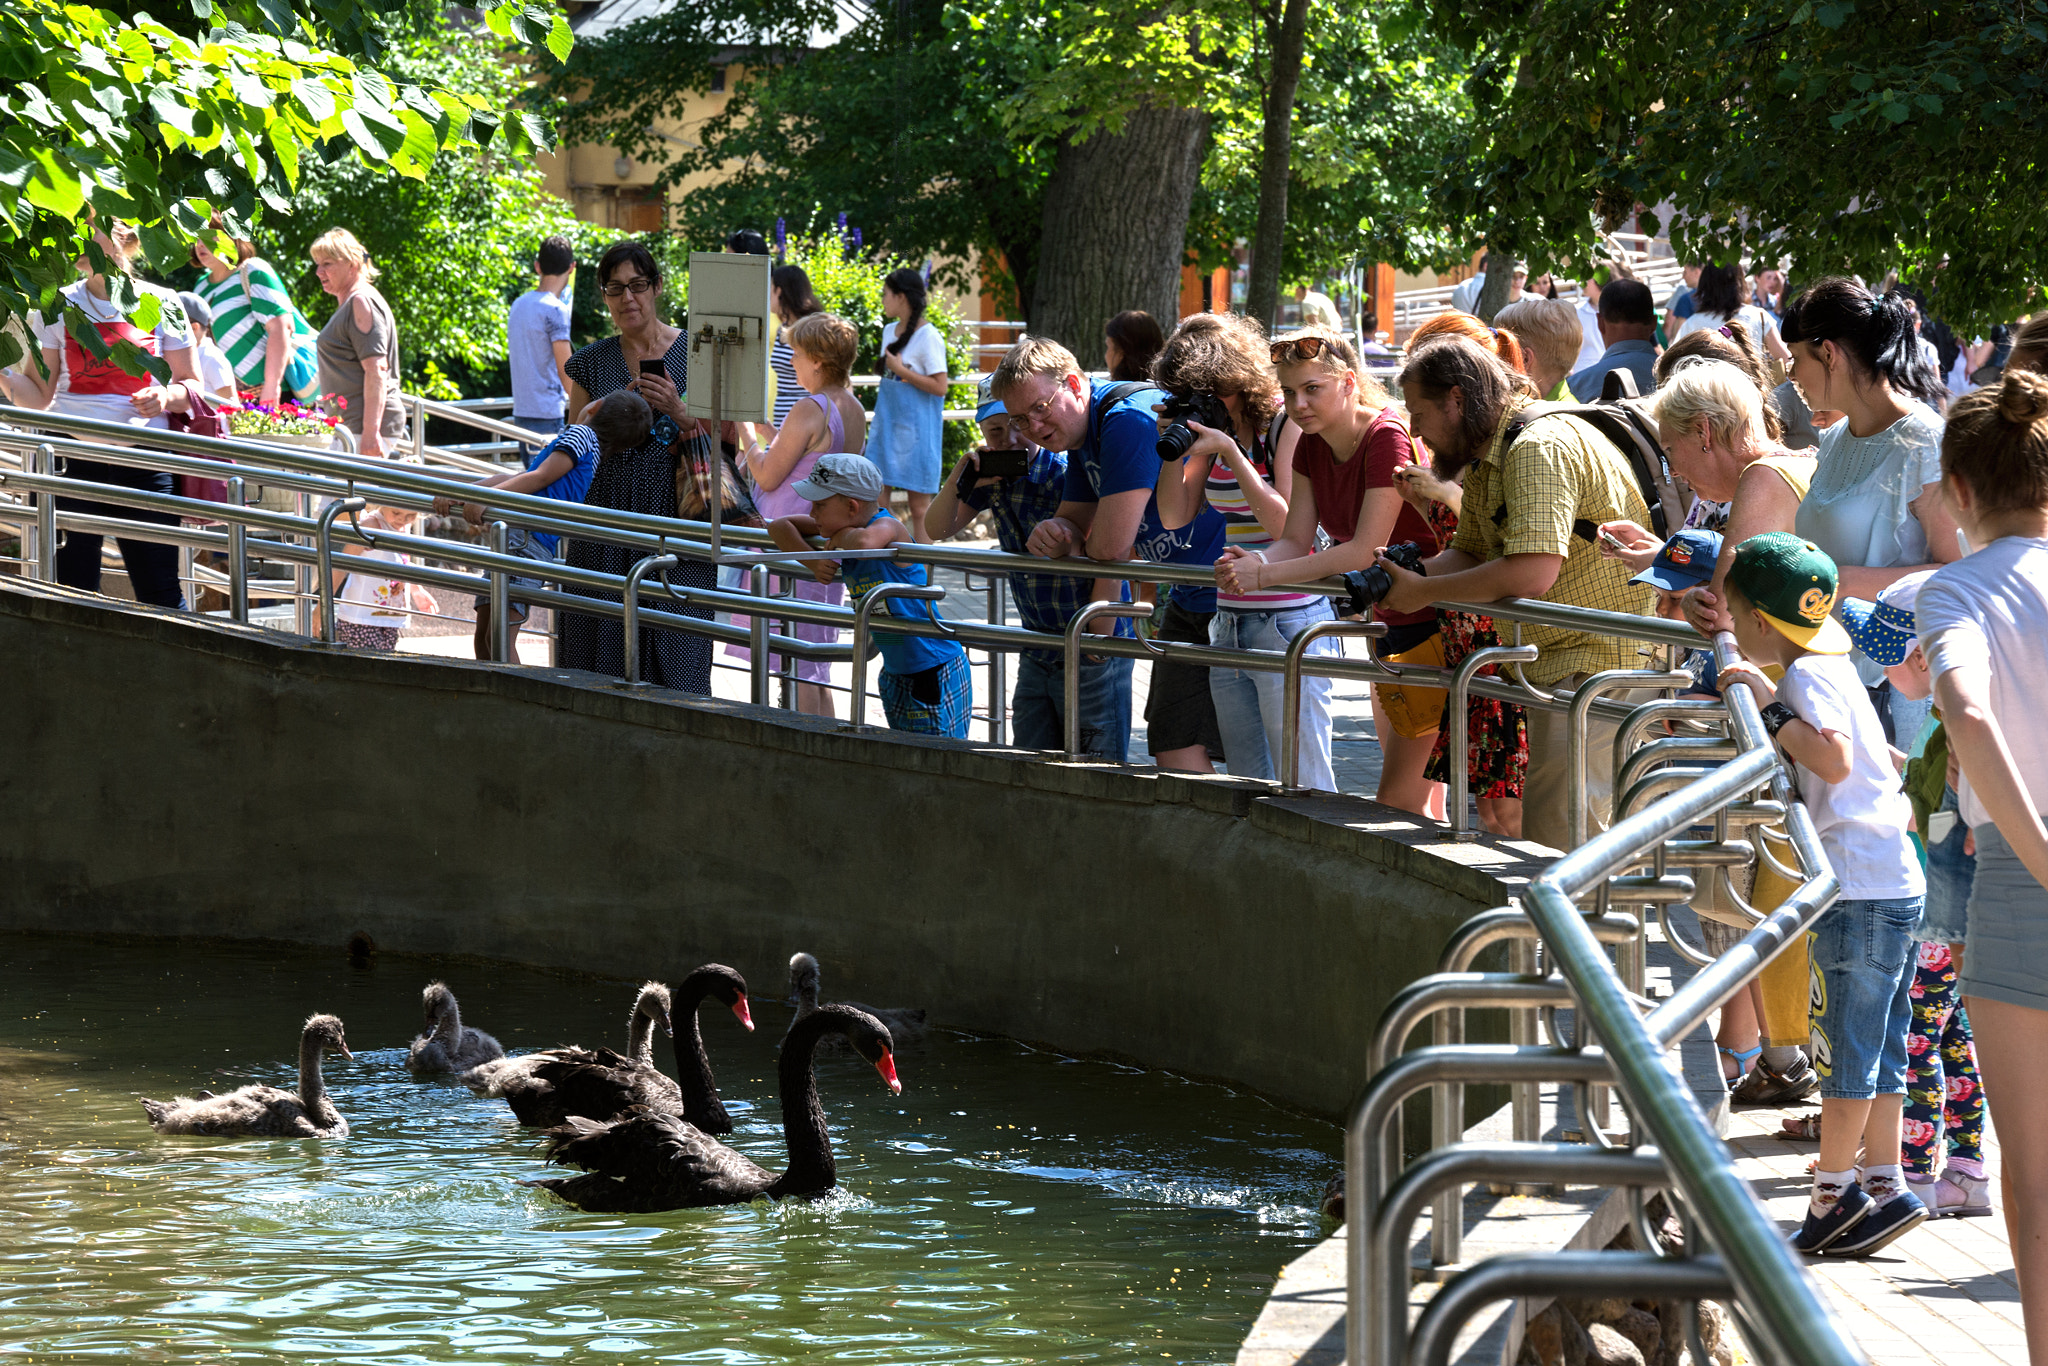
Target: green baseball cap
[(1792, 582)]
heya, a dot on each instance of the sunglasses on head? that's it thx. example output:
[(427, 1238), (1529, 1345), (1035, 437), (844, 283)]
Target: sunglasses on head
[(1292, 349)]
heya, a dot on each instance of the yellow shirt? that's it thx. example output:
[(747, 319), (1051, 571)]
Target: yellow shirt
[(1559, 473)]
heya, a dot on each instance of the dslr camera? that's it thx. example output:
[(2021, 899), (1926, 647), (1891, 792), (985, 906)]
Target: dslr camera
[(1204, 408), (1370, 584)]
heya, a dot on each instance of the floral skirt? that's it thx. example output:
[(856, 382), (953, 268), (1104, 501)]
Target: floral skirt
[(1496, 732)]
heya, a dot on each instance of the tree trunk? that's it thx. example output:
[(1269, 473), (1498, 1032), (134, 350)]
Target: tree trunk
[(1500, 278), (1269, 239), (1116, 223)]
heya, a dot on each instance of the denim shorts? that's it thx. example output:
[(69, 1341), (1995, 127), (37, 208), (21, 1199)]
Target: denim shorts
[(519, 541), (2006, 955), (1949, 874), (1861, 954)]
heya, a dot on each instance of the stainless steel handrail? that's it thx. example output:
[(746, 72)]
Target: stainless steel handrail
[(1290, 692), (1457, 715), (1070, 656), (863, 629)]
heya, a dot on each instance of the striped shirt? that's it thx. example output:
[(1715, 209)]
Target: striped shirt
[(238, 319), (1241, 529), (788, 393)]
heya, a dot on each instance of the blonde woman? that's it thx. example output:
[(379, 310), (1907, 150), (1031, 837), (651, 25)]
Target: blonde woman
[(1345, 480), (1550, 329), (72, 381), (358, 348)]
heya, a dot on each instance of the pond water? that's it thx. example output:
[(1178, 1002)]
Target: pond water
[(1012, 1205)]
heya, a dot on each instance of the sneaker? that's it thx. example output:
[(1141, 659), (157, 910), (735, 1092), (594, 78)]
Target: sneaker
[(1821, 1231), (1957, 1196), (1763, 1086), (1879, 1227)]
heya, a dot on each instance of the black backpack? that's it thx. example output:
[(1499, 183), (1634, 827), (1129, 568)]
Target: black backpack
[(1110, 396), (1624, 420)]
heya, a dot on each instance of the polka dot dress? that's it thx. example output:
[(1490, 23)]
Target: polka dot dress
[(640, 480)]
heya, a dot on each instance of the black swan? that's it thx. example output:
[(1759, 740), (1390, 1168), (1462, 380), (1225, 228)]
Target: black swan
[(597, 1083), (650, 1161), (905, 1025), (448, 1045), (265, 1111)]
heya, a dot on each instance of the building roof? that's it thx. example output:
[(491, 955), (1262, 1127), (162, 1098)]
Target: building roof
[(592, 21)]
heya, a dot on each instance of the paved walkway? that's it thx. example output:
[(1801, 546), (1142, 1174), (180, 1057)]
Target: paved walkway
[(1943, 1295)]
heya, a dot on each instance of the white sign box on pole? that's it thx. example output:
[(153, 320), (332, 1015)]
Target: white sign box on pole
[(728, 327)]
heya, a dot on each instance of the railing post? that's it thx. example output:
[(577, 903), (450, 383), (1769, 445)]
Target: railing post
[(323, 550), (1071, 662), (501, 600), (238, 551), (303, 589), (419, 426), (1607, 681), (1458, 714), (631, 622), (757, 632), (1290, 681), (863, 628), (998, 665), (46, 516)]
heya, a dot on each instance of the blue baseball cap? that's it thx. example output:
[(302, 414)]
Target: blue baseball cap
[(1686, 561), (988, 405), (1884, 630)]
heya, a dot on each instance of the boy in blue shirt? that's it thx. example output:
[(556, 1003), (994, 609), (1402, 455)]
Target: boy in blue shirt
[(561, 470), (925, 683)]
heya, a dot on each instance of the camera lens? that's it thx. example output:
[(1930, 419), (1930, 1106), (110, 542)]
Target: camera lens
[(1175, 441)]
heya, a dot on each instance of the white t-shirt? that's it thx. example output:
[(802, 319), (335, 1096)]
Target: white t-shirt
[(372, 599), (925, 352), (172, 334), (1863, 819), (1990, 611), (1591, 348), (1759, 322), (216, 372)]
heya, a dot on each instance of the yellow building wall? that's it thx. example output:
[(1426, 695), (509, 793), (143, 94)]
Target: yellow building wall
[(613, 192)]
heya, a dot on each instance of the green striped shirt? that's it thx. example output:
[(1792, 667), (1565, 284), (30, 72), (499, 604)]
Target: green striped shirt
[(238, 318)]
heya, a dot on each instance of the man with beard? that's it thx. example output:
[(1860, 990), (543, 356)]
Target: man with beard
[(1530, 513)]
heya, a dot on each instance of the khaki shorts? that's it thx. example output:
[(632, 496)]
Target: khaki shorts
[(1414, 712)]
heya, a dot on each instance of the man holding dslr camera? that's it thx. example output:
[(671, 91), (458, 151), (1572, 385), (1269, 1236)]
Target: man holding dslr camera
[(1109, 513), (1024, 485), (1532, 507)]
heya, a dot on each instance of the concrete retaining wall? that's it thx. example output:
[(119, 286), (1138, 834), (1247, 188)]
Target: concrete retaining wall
[(169, 777)]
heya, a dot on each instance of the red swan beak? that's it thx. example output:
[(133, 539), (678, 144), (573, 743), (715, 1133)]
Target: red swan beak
[(739, 1008), (886, 1065)]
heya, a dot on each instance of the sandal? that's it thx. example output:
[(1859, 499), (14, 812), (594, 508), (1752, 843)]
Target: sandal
[(1765, 1086), (1744, 1057), (1801, 1128)]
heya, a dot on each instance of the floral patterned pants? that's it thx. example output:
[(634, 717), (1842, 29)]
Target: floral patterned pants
[(1943, 1096)]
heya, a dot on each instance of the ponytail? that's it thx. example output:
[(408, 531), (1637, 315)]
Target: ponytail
[(1876, 333), (910, 284), (1996, 441)]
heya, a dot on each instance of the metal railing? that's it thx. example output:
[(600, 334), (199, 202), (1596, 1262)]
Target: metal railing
[(1604, 892)]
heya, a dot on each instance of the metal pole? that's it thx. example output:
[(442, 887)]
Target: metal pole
[(715, 509), (1459, 716), (1593, 1274), (863, 627), (323, 548), (419, 427), (631, 622), (46, 516), (501, 601), (1290, 682), (1071, 663), (997, 693), (238, 552), (302, 578), (1525, 1097), (757, 632), (1606, 681)]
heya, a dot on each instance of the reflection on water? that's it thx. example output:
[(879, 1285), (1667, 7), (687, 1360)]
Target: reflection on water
[(1010, 1206)]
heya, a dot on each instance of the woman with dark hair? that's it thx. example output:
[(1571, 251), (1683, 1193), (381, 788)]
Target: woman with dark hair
[(652, 359), (1875, 504), (747, 242), (907, 442), (1131, 341), (1722, 296), (791, 296)]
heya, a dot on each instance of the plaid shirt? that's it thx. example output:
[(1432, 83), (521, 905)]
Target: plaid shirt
[(1525, 501), (1045, 602)]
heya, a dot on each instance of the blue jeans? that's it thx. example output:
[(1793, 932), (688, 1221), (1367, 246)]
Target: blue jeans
[(1950, 872), (1251, 704), (1038, 707), (1862, 963)]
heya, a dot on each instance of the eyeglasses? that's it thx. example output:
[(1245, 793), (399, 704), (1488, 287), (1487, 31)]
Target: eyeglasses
[(1291, 349), (639, 284), (1038, 409)]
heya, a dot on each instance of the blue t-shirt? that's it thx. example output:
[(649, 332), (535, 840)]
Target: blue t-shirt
[(536, 323), (579, 444), (1121, 453), (900, 654), (1681, 303)]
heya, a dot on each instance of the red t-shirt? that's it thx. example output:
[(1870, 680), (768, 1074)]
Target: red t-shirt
[(1340, 487)]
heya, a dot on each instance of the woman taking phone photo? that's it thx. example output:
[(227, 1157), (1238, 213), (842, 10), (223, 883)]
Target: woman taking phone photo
[(1352, 442), (1247, 474), (908, 439), (652, 359)]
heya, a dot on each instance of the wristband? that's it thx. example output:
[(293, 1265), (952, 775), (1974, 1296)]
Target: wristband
[(1774, 718)]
